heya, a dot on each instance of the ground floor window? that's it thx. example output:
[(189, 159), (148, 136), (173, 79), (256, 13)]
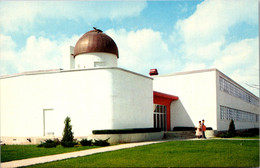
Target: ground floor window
[(227, 113), (160, 117)]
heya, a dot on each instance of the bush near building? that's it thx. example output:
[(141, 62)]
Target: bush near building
[(248, 132), (49, 143), (67, 139), (101, 142), (232, 132), (232, 129), (85, 142)]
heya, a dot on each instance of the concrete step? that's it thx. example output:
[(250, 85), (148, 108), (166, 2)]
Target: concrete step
[(179, 135)]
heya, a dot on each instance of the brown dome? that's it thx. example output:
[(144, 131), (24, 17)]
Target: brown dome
[(95, 41)]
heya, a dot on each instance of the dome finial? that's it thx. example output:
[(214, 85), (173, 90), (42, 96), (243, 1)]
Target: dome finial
[(98, 30)]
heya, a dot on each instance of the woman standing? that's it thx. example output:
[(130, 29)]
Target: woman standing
[(199, 130)]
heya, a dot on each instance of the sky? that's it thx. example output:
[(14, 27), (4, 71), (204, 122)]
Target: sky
[(172, 36)]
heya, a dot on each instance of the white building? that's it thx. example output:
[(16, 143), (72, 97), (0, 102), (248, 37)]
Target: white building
[(210, 95), (98, 95), (95, 93)]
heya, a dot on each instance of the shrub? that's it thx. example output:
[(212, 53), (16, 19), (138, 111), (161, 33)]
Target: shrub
[(248, 132), (232, 129), (242, 133), (68, 143), (85, 142), (67, 139), (67, 132), (57, 141), (224, 135), (101, 142), (40, 145), (48, 144)]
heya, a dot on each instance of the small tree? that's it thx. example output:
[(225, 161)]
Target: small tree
[(232, 129), (67, 139)]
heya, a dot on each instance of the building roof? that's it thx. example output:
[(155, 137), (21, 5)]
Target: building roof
[(50, 71), (95, 41)]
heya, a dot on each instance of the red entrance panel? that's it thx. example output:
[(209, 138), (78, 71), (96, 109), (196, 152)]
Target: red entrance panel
[(165, 99)]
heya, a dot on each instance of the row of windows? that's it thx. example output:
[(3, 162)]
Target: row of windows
[(233, 90), (227, 113)]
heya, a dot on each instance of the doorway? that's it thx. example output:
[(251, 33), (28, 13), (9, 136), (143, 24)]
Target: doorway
[(48, 122), (160, 117)]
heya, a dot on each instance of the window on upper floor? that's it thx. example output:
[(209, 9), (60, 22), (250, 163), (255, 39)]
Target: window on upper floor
[(228, 87)]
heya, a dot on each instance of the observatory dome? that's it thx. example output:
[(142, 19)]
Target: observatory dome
[(95, 41)]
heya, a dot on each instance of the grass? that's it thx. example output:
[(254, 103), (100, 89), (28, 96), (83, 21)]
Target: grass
[(17, 152), (253, 137), (204, 153), (256, 137)]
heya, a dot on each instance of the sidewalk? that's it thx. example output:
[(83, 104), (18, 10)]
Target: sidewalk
[(51, 158)]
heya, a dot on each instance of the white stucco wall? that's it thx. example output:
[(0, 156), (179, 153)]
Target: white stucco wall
[(132, 100), (197, 97), (96, 59), (225, 99), (103, 98)]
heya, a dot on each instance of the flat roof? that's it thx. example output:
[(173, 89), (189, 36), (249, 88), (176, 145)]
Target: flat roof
[(207, 70), (49, 71), (186, 72)]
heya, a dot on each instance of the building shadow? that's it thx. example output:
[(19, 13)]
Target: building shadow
[(180, 116)]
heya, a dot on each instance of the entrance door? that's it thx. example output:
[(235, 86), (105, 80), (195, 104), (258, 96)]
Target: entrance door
[(49, 122), (160, 117)]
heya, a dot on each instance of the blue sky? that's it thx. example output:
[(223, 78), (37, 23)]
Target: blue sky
[(171, 36)]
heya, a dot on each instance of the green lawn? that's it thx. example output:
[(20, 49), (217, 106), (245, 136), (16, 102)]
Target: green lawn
[(16, 152), (204, 153), (239, 137), (254, 137)]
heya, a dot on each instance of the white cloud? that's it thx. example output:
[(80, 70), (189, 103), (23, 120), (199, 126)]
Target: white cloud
[(202, 39), (190, 66), (246, 77), (139, 51), (203, 33), (142, 50), (7, 45), (238, 54), (240, 61), (23, 15), (39, 53)]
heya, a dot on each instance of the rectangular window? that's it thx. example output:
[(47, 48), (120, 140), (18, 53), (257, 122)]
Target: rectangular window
[(99, 64), (235, 91), (227, 113)]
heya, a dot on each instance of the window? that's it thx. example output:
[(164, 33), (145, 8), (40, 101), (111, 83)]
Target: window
[(99, 64), (235, 91), (227, 113)]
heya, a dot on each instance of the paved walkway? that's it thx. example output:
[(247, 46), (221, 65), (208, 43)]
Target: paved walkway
[(51, 158)]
